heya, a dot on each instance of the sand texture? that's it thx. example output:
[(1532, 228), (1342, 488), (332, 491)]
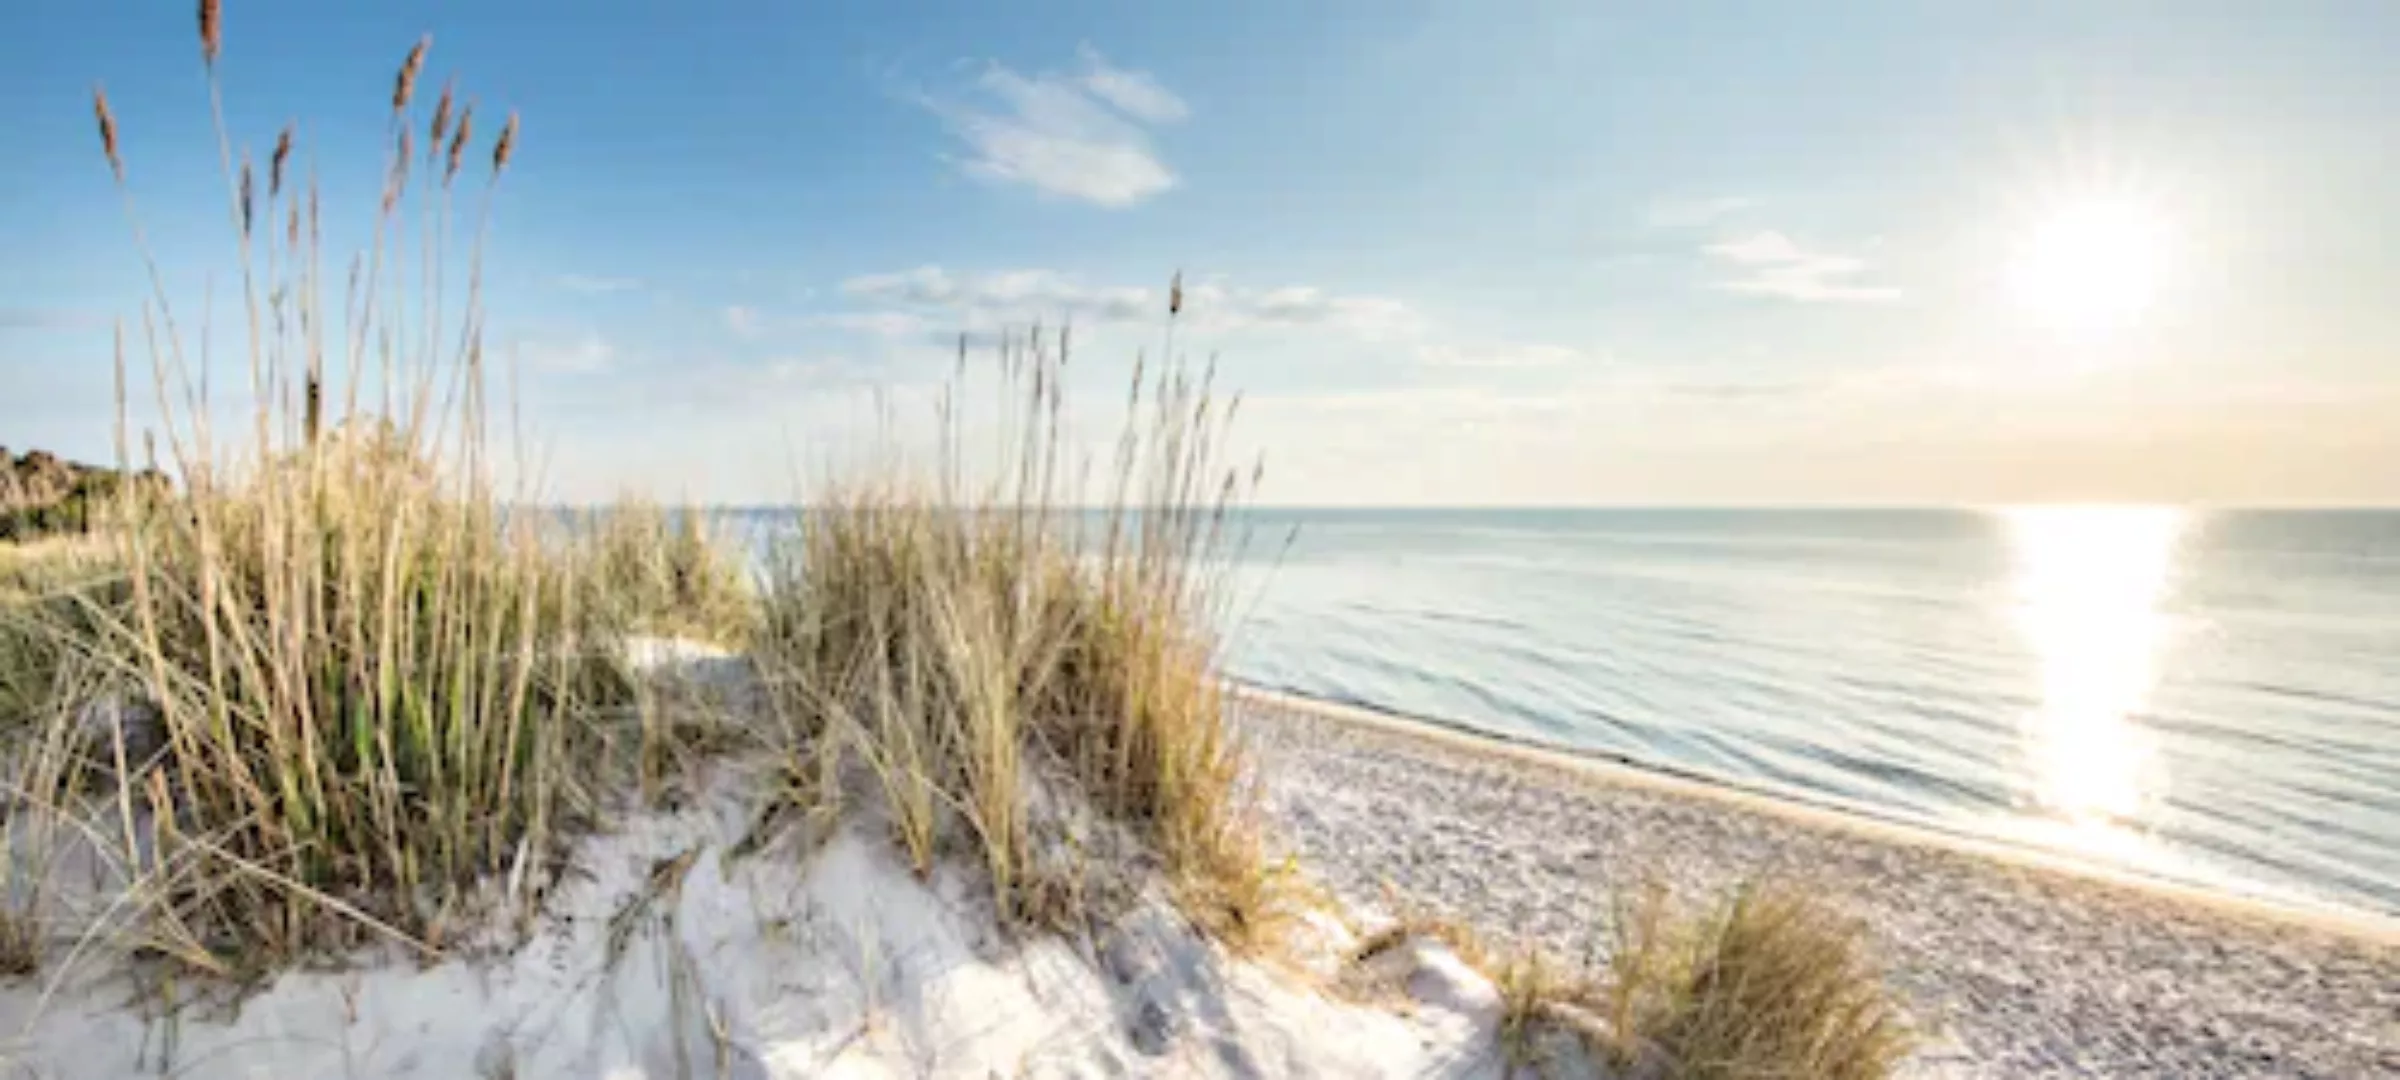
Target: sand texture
[(2021, 970)]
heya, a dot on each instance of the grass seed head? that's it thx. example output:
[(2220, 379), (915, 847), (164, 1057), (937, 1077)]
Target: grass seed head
[(506, 146), (458, 141), (283, 151), (108, 132), (249, 196), (210, 37), (441, 118), (407, 82)]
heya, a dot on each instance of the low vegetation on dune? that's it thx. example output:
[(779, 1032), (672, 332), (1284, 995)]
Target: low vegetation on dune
[(42, 494), (332, 687), (668, 571), (1768, 983), (1764, 983)]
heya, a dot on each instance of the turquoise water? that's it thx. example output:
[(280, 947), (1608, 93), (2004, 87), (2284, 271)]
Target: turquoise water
[(2211, 696)]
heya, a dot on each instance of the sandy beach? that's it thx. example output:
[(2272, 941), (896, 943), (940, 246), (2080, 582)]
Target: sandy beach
[(2020, 969)]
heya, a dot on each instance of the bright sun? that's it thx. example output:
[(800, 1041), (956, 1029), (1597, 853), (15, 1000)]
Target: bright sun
[(2092, 264)]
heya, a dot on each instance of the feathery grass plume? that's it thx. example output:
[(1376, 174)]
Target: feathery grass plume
[(458, 141), (108, 132), (283, 151), (506, 146), (406, 84), (248, 196), (209, 36), (1175, 295), (441, 120)]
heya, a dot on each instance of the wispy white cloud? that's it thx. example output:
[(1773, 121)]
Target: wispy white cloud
[(1769, 263), (744, 321), (586, 283), (1695, 211), (1214, 306), (1033, 294), (882, 324), (1016, 297), (585, 355), (1506, 356), (1135, 93), (50, 319), (1079, 135)]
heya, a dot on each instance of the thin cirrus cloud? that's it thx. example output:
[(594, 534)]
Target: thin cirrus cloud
[(1504, 356), (590, 283), (1772, 264), (1695, 211), (1083, 135), (1025, 296), (50, 319), (745, 322), (585, 355)]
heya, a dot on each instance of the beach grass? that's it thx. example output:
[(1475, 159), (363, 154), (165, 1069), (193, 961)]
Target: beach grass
[(974, 646), (1766, 982), (1762, 981), (669, 572), (368, 685)]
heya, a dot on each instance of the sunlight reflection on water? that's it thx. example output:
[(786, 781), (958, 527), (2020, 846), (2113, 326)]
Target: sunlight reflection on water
[(2089, 583)]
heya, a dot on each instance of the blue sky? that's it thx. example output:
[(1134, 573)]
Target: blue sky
[(1500, 252)]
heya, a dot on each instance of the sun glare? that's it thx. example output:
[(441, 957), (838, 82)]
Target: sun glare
[(2090, 580), (2092, 264)]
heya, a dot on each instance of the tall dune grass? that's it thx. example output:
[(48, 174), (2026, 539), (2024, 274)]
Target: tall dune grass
[(980, 645), (370, 685)]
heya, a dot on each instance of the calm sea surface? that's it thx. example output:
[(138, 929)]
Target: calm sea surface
[(2212, 696), (2208, 696)]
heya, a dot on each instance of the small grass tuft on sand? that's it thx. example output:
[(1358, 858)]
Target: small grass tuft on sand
[(1768, 983)]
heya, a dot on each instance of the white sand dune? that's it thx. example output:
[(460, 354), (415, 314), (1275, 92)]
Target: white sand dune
[(661, 955), (839, 964)]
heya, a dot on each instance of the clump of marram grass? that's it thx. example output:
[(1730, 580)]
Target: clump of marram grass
[(371, 685), (1769, 983), (1766, 982), (668, 572), (980, 647), (50, 590)]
